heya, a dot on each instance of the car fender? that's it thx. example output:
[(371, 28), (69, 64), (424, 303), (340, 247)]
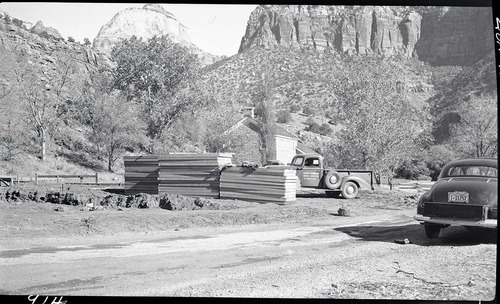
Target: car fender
[(360, 182)]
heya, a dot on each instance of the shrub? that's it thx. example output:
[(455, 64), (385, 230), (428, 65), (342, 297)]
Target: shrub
[(412, 169), (325, 129), (437, 157), (307, 111), (283, 116), (310, 120), (17, 22), (86, 41), (44, 34), (294, 108), (71, 39), (314, 127)]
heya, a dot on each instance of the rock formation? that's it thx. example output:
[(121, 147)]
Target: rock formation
[(439, 35), (151, 20), (45, 50), (40, 28)]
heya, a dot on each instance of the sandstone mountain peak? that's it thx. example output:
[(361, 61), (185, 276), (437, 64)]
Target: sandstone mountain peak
[(158, 8), (151, 20), (146, 22)]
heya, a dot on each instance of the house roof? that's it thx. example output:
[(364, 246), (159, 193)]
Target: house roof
[(303, 149), (256, 125)]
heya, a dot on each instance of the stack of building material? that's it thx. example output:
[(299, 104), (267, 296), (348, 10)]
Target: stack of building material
[(191, 174), (260, 184), (141, 174)]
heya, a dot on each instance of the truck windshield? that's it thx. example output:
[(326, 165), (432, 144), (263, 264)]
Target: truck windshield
[(298, 161)]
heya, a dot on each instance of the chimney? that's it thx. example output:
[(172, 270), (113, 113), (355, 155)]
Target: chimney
[(249, 111)]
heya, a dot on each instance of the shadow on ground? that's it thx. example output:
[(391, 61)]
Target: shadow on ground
[(115, 191), (320, 195), (453, 235)]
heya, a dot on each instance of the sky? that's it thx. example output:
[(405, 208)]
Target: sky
[(215, 28)]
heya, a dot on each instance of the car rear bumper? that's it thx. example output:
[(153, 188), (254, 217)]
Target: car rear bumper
[(488, 223)]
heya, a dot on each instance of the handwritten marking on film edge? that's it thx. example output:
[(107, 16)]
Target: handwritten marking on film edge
[(497, 34), (33, 299)]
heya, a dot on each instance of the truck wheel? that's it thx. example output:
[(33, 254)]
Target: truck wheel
[(333, 194), (432, 231), (332, 180), (350, 190)]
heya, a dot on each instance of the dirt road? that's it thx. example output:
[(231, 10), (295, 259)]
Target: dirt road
[(321, 255)]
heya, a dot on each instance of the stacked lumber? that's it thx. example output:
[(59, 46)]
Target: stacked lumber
[(141, 174), (260, 184), (191, 174)]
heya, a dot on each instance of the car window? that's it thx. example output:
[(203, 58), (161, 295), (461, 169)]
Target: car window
[(473, 171), (298, 161), (312, 162)]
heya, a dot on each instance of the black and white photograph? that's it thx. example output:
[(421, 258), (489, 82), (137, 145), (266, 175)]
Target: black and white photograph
[(340, 151)]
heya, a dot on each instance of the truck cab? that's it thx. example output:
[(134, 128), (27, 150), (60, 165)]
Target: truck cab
[(311, 173), (310, 169)]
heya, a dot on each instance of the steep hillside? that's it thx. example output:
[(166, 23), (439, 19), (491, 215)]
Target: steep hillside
[(313, 83), (477, 79)]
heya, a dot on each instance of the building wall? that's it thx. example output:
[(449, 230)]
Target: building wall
[(285, 148)]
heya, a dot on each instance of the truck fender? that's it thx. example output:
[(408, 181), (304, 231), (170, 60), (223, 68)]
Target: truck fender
[(360, 182)]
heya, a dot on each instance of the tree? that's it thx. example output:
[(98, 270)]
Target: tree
[(380, 129), (71, 39), (43, 94), (116, 121), (217, 130), (113, 120), (13, 133), (86, 42), (263, 99), (159, 75), (476, 134)]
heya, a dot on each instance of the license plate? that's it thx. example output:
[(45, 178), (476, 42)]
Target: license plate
[(458, 197)]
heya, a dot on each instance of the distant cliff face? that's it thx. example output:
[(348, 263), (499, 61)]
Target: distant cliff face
[(151, 20), (438, 35), (456, 35)]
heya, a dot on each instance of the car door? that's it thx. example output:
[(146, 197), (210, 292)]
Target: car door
[(311, 172)]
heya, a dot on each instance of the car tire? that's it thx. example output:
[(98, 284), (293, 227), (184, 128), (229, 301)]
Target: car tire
[(350, 190), (432, 231), (332, 180), (334, 194)]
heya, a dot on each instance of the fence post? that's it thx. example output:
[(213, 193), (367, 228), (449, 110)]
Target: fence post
[(81, 180), (96, 178), (57, 177), (36, 178)]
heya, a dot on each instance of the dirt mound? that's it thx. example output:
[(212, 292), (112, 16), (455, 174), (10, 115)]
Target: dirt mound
[(178, 202), (104, 200)]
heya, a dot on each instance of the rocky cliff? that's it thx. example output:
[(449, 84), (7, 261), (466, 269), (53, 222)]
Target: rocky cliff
[(440, 35), (151, 20), (44, 49)]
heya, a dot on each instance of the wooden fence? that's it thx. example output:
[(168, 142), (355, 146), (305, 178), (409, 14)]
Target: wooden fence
[(66, 176)]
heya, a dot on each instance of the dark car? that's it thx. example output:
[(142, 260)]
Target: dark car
[(465, 194)]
